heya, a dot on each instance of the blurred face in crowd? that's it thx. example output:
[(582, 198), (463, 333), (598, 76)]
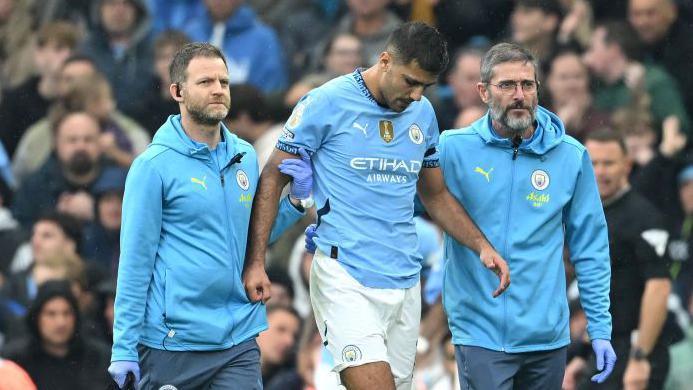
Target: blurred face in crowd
[(48, 239), (118, 17), (468, 116), (280, 295), (611, 166), (568, 78), (276, 342), (345, 55), (220, 10), (6, 7), (104, 105), (641, 146), (49, 58), (529, 25), (56, 322), (77, 143), (162, 60), (600, 55), (110, 208), (512, 108), (367, 8), (686, 196), (651, 18), (463, 80), (402, 84), (72, 71), (205, 92)]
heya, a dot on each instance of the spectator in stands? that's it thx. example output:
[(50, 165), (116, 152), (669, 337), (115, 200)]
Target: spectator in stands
[(29, 101), (157, 103), (75, 12), (16, 47), (667, 40), (298, 41), (277, 342), (64, 182), (173, 14), (462, 79), (372, 23), (343, 54), (252, 50), (121, 138), (282, 287), (534, 24), (55, 240), (120, 46), (681, 244), (102, 236), (74, 68), (568, 87), (612, 57), (249, 119), (54, 354)]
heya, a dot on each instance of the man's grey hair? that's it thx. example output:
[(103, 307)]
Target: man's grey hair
[(502, 53)]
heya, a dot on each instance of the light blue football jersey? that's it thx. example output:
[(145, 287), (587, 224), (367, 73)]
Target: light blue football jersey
[(366, 163)]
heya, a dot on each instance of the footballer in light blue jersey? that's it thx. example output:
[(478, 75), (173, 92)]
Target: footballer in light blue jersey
[(367, 160), (372, 136)]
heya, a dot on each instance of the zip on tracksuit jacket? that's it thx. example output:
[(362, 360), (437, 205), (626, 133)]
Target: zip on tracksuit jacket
[(527, 205), (186, 212)]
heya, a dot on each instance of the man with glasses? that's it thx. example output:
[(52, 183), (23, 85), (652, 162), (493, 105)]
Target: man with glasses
[(530, 188)]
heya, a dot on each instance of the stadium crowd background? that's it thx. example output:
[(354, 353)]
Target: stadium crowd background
[(85, 86)]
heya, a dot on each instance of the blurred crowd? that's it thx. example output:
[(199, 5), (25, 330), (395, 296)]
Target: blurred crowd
[(85, 85)]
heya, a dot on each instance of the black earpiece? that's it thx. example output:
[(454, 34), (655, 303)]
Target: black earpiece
[(178, 90)]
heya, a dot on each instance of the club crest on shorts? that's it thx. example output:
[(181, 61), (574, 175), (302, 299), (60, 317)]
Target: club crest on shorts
[(387, 131), (415, 134), (351, 353), (242, 180), (540, 180), (168, 387)]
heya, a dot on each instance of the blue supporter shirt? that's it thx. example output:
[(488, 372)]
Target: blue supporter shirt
[(366, 162)]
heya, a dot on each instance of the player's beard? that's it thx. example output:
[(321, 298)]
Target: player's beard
[(205, 115), (512, 123)]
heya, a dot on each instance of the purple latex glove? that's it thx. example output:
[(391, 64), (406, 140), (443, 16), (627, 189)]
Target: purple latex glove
[(119, 372), (310, 235), (606, 359), (301, 172)]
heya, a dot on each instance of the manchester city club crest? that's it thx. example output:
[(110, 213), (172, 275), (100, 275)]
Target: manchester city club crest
[(242, 180), (540, 180), (351, 353), (415, 134), (387, 131)]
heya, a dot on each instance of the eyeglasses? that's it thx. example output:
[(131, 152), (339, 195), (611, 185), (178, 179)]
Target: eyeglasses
[(510, 86)]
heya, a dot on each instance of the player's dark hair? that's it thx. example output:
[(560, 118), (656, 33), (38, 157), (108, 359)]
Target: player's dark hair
[(416, 41), (605, 135), (179, 65)]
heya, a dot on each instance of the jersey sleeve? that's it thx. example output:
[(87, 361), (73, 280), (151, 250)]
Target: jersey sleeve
[(650, 248), (307, 126), (432, 157)]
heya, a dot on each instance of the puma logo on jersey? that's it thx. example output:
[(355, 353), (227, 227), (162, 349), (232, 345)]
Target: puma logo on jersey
[(200, 182), (362, 128), (487, 175)]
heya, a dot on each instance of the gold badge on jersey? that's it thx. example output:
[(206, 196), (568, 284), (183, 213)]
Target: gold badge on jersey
[(387, 131)]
